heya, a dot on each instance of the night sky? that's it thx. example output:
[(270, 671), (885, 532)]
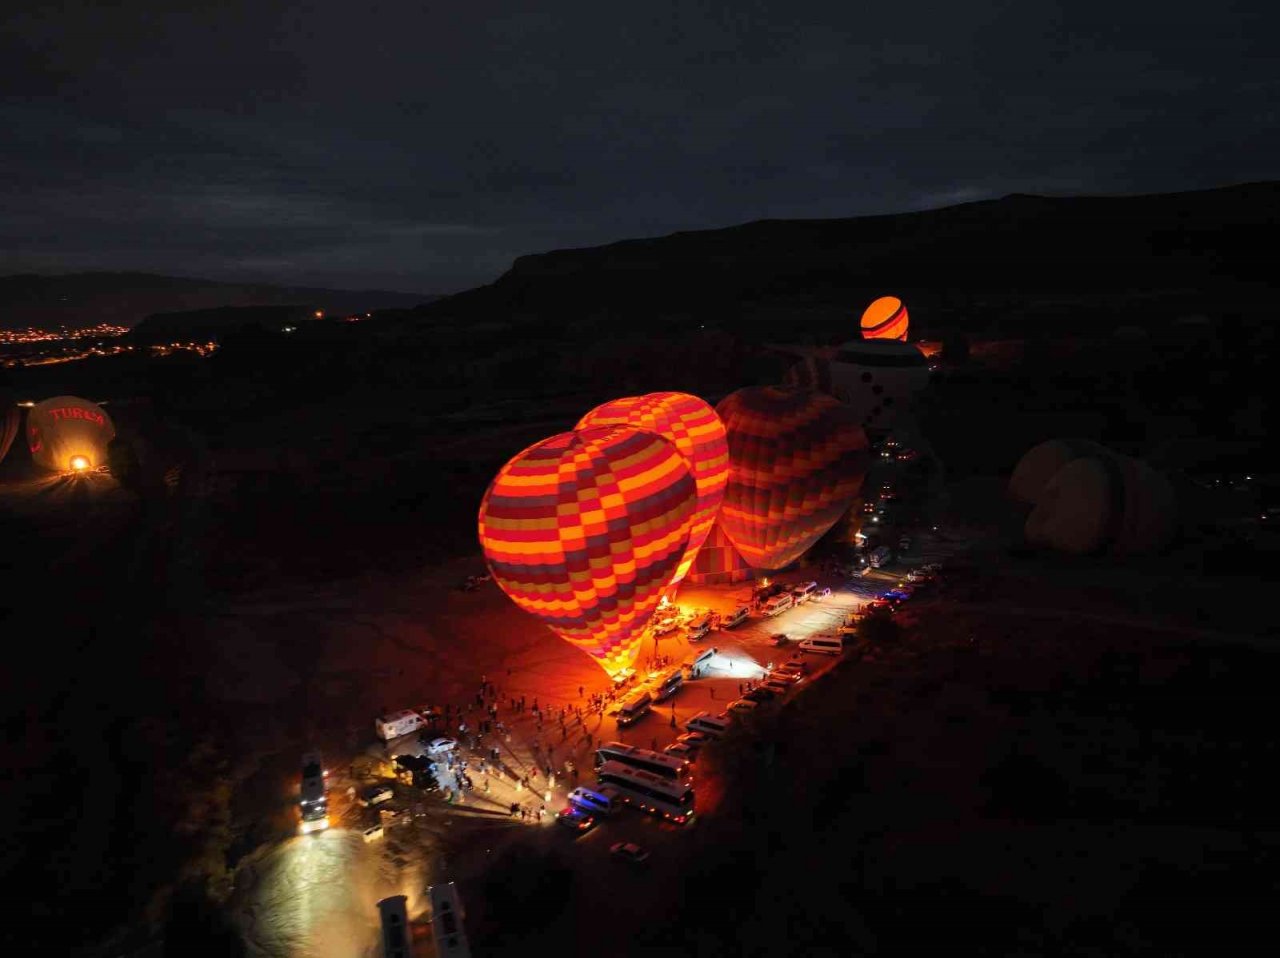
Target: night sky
[(375, 144)]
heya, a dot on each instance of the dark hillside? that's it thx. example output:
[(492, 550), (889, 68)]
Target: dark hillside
[(1080, 263)]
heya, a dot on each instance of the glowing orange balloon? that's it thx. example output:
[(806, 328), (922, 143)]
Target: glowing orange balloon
[(886, 318), (695, 429), (584, 531)]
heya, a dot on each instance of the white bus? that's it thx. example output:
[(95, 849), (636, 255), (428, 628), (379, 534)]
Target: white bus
[(668, 685), (672, 800), (634, 707), (666, 766)]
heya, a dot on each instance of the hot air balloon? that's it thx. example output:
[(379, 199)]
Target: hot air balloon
[(876, 378), (584, 531), (1103, 503), (718, 562), (695, 429), (796, 462), (1041, 463), (885, 318), (68, 434)]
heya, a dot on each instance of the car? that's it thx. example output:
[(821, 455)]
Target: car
[(682, 750), (629, 852), (665, 625), (779, 638), (372, 833), (438, 746), (742, 706), (758, 694), (896, 595), (575, 818), (694, 740), (776, 686), (797, 663), (784, 675), (375, 795)]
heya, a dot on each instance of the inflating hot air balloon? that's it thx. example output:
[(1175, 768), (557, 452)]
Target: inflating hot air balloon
[(1103, 503), (697, 432), (1041, 463), (68, 434), (876, 378), (885, 318), (584, 530), (796, 462), (718, 562)]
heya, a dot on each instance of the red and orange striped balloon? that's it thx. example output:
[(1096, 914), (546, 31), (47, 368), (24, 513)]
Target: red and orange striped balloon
[(697, 432), (584, 531), (885, 318), (796, 462)]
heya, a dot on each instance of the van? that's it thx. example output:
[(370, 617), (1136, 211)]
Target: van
[(823, 644), (700, 627), (736, 617), (708, 724), (634, 707), (803, 593), (695, 665), (779, 603), (597, 801)]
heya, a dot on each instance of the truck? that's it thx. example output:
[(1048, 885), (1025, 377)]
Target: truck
[(313, 800)]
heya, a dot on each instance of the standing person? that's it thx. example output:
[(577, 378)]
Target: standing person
[(579, 691)]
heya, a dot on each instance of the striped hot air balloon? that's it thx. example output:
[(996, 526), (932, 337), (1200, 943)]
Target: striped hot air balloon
[(584, 531), (796, 462), (697, 432), (885, 318)]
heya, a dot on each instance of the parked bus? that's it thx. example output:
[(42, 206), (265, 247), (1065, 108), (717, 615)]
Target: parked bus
[(652, 793), (668, 685), (657, 763), (634, 707), (312, 800)]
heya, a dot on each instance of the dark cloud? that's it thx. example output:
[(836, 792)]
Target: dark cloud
[(426, 148)]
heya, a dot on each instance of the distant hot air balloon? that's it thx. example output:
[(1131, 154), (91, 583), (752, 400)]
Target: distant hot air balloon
[(697, 432), (885, 318), (718, 562), (1106, 502), (584, 531), (796, 462), (69, 434)]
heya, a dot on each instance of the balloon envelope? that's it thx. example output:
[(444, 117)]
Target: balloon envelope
[(695, 429), (584, 531), (66, 433), (877, 378), (1041, 463), (1106, 502), (10, 417), (796, 462), (885, 318)]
